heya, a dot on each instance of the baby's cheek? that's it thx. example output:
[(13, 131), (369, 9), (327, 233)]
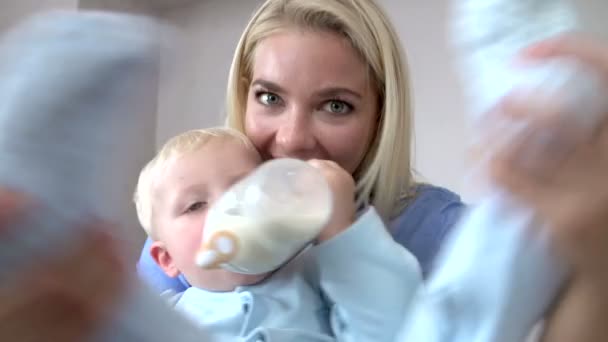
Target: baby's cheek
[(192, 242)]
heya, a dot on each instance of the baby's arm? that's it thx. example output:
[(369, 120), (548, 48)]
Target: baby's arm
[(368, 279)]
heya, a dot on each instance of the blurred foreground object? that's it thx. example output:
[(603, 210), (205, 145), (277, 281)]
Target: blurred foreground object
[(72, 85), (511, 274)]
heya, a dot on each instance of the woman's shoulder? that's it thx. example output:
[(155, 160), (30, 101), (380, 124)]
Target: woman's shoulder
[(428, 215), (426, 201), (426, 191)]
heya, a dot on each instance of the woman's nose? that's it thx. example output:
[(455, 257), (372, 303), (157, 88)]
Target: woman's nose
[(295, 137)]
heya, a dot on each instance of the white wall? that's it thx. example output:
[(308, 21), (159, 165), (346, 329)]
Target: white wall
[(126, 6), (12, 11), (144, 145), (438, 106), (192, 91)]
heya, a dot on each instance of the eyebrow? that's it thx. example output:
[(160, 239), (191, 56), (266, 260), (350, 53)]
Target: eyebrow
[(326, 92), (238, 177), (336, 91), (186, 192), (270, 86)]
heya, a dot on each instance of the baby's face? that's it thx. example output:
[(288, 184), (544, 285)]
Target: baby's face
[(185, 190)]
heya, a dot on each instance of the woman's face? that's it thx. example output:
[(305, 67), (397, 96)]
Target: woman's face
[(310, 97)]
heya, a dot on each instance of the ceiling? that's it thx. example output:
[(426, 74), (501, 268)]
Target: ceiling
[(128, 5), (166, 4)]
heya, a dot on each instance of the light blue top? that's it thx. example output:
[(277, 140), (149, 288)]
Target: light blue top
[(344, 289), (428, 218), (421, 229), (493, 280)]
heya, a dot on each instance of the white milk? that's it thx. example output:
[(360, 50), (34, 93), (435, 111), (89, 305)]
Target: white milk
[(259, 246), (265, 220)]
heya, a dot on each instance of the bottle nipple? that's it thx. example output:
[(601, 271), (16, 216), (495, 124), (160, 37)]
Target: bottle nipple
[(221, 248)]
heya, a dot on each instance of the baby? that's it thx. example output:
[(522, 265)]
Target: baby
[(337, 289)]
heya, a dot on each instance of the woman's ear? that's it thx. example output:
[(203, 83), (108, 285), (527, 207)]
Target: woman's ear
[(159, 253)]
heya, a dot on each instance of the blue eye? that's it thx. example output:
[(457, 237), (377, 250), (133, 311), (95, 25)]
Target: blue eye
[(268, 99), (337, 107)]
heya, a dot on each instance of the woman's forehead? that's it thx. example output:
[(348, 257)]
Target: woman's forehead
[(311, 59)]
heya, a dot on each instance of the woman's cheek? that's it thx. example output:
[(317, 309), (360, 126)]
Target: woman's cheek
[(259, 131)]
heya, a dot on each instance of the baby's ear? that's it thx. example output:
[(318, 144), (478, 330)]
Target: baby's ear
[(159, 253)]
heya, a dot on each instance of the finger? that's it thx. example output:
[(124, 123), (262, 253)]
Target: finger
[(37, 310), (524, 163), (534, 144), (322, 165), (583, 48), (602, 138), (95, 265), (91, 276), (48, 317), (523, 104), (531, 111), (11, 204), (517, 183), (64, 299), (317, 163)]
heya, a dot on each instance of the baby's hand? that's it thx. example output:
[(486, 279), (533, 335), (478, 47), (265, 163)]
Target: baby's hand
[(566, 186), (342, 187)]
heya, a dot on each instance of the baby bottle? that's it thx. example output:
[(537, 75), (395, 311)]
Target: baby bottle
[(266, 219)]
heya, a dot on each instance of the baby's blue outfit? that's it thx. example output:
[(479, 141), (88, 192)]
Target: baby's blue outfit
[(420, 228), (345, 289), (493, 280), (490, 283)]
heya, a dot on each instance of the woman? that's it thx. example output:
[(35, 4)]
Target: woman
[(317, 86), (328, 80)]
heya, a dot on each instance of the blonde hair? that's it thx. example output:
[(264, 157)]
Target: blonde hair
[(384, 178), (175, 147)]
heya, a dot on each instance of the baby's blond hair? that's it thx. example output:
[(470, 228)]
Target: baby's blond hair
[(177, 146)]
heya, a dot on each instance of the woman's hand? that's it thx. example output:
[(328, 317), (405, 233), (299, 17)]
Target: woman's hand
[(569, 190), (343, 190), (64, 299)]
